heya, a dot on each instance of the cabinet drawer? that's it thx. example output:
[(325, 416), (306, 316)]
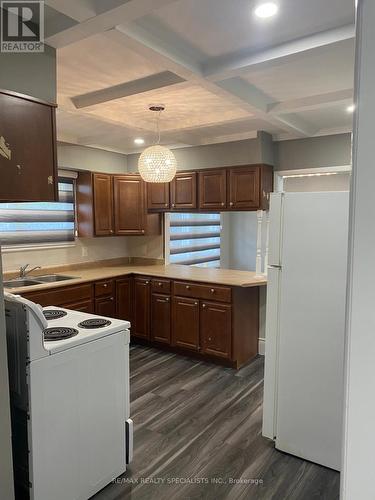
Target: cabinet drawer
[(161, 286), (207, 292), (61, 296), (104, 288)]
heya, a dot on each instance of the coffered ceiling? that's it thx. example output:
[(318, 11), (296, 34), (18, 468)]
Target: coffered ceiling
[(221, 73)]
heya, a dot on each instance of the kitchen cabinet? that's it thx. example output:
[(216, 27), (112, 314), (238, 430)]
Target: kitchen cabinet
[(85, 306), (27, 149), (184, 191), (105, 306), (103, 207), (249, 187), (141, 318), (113, 205), (185, 323), (124, 299), (161, 318), (129, 205), (213, 189), (158, 196), (215, 328)]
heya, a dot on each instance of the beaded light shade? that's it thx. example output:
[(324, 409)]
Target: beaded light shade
[(157, 163)]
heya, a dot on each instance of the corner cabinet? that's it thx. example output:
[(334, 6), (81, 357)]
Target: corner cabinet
[(113, 205), (28, 165), (249, 187)]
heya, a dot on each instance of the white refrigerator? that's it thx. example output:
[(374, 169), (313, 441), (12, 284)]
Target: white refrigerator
[(305, 324)]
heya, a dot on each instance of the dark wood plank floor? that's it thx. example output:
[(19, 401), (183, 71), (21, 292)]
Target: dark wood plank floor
[(198, 436)]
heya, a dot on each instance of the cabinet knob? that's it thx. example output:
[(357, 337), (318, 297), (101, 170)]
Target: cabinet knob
[(231, 203), (173, 204), (195, 303), (212, 290), (143, 230), (111, 298), (160, 284), (167, 299), (222, 204), (111, 231), (203, 305), (165, 204), (147, 282), (187, 287), (209, 338), (105, 285)]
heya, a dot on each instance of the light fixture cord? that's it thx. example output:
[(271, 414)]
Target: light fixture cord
[(158, 127)]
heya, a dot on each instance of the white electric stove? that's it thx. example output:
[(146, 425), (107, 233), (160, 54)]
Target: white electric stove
[(69, 381)]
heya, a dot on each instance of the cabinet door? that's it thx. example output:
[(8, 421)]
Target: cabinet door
[(141, 308), (216, 329), (158, 196), (103, 204), (213, 189), (124, 299), (129, 203), (105, 307), (244, 188), (185, 323), (161, 318), (27, 150), (184, 191)]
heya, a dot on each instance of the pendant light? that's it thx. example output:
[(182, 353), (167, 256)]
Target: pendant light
[(157, 163)]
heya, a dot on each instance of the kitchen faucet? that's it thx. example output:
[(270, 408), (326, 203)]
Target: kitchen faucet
[(24, 273)]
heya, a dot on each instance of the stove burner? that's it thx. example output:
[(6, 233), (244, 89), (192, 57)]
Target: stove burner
[(54, 314), (59, 333), (94, 323)]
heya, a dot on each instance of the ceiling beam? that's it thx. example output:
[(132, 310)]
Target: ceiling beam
[(312, 102), (232, 66), (139, 86), (128, 12)]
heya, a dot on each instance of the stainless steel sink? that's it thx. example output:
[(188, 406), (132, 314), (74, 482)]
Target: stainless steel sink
[(51, 278), (18, 283), (37, 280)]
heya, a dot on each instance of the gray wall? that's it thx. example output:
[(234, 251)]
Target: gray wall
[(325, 151), (249, 151), (31, 74), (84, 158)]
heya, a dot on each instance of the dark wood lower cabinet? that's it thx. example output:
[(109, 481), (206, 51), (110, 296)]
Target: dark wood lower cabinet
[(216, 329), (124, 300), (105, 306), (161, 318), (211, 321), (185, 323), (141, 318)]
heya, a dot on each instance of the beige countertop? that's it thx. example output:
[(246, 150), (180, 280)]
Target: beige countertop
[(102, 270)]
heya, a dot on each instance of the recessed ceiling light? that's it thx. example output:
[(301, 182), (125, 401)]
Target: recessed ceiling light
[(266, 9), (350, 109), (139, 141)]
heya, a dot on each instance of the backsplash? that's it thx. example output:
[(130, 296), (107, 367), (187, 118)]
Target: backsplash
[(86, 250)]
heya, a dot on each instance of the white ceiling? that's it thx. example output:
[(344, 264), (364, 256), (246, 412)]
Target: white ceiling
[(221, 73)]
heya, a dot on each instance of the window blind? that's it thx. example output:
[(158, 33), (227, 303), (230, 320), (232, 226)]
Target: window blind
[(195, 239), (40, 222)]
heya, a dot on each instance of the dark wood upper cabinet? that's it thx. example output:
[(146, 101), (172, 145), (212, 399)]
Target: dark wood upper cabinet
[(185, 323), (141, 315), (129, 205), (184, 191), (158, 196), (28, 162), (161, 318), (216, 328), (249, 187), (103, 207), (213, 189)]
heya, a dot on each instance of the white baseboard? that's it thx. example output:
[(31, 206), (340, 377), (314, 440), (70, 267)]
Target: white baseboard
[(261, 346)]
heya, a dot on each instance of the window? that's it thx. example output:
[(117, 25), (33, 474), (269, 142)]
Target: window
[(194, 239), (37, 223)]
